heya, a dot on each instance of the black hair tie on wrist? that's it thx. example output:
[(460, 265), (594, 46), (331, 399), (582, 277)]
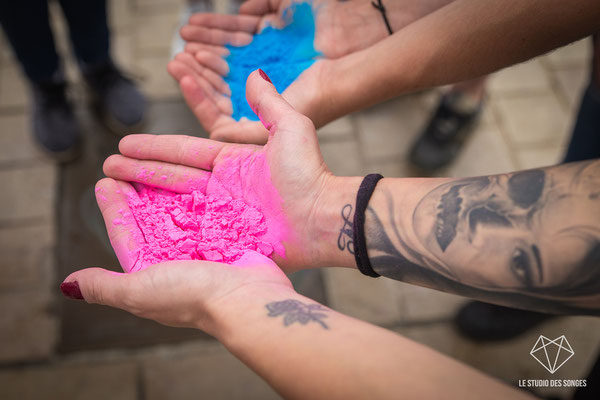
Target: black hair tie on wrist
[(367, 187), (379, 6)]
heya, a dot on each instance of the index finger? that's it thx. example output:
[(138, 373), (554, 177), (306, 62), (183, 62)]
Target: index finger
[(176, 149)]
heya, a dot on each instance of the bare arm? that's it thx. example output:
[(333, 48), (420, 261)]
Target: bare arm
[(307, 351), (462, 40), (301, 348), (528, 239)]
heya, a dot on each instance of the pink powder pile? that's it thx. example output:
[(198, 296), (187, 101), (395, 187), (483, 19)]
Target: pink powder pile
[(196, 226)]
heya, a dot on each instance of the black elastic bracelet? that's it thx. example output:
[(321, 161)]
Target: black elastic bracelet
[(379, 6), (358, 229)]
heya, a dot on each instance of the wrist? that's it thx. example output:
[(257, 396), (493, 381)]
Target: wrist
[(318, 104), (355, 86), (332, 223), (234, 315)]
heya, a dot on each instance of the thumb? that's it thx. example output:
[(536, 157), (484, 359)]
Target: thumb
[(100, 286), (290, 133), (275, 113)]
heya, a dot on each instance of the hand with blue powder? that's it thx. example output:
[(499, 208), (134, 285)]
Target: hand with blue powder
[(294, 42)]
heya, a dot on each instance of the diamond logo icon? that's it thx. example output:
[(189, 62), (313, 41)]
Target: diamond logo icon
[(552, 354)]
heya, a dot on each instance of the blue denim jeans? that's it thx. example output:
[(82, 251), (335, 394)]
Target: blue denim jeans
[(27, 27), (585, 139)]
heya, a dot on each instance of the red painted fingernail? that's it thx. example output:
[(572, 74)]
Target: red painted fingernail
[(71, 290), (264, 76)]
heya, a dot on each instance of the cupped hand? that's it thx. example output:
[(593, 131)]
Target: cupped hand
[(285, 179), (342, 28), (209, 97), (174, 293)]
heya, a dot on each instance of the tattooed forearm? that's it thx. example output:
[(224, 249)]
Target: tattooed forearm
[(345, 240), (296, 311), (530, 239)]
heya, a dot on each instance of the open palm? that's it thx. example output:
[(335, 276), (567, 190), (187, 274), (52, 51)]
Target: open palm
[(283, 179), (201, 68), (341, 28)]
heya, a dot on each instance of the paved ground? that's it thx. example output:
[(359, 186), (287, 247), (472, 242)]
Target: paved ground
[(526, 124)]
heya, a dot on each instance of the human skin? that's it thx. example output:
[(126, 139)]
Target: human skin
[(437, 49), (341, 28), (250, 306), (328, 356), (528, 239), (336, 358), (297, 169), (252, 309)]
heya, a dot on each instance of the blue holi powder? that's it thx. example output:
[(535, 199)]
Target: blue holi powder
[(282, 53)]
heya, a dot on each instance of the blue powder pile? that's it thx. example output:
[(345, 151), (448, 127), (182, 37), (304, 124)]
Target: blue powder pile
[(282, 53)]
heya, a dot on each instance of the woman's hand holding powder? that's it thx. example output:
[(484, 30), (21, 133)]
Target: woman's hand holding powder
[(192, 294), (286, 180)]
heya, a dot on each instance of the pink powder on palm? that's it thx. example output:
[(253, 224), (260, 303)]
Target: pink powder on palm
[(196, 227), (236, 210)]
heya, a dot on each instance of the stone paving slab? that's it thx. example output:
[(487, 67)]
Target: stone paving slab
[(28, 193), (27, 257), (530, 76), (156, 81), (572, 55), (123, 50), (387, 130), (76, 382), (212, 373), (29, 329), (120, 15), (343, 157), (540, 157), (154, 6), (341, 128), (386, 302), (533, 119), (154, 32), (420, 304), (485, 152), (391, 168), (16, 143), (14, 91), (358, 296), (572, 82)]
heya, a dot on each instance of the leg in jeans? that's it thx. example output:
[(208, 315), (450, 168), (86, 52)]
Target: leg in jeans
[(585, 139), (117, 100), (88, 29), (27, 28)]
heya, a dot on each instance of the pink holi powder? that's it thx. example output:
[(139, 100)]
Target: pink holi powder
[(240, 211), (196, 227)]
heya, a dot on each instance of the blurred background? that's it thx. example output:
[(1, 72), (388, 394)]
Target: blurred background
[(50, 226)]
